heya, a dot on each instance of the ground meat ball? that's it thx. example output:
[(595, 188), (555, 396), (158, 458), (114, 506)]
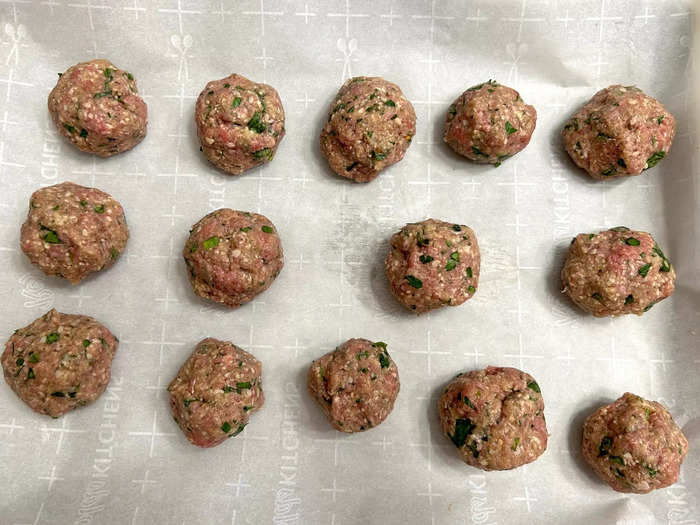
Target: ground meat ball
[(232, 256), (215, 391), (433, 264), (495, 418), (618, 271), (240, 123), (489, 123), (634, 445), (355, 385), (72, 231), (370, 126), (619, 132), (96, 106), (59, 362)]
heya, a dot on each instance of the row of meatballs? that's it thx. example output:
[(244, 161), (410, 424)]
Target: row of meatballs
[(240, 123), (231, 256), (494, 417)]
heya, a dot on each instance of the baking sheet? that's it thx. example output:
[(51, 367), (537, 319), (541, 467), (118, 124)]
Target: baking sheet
[(123, 459)]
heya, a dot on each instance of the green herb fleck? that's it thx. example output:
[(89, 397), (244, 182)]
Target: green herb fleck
[(378, 155), (416, 283), (19, 362), (468, 402), (621, 162), (471, 289), (380, 344), (651, 470), (70, 128), (83, 203), (463, 428), (532, 385), (654, 159), (632, 241), (509, 128), (660, 119), (50, 236), (477, 151), (129, 76), (629, 299), (362, 355), (52, 337), (604, 447), (390, 103), (226, 427), (247, 408), (364, 370), (425, 259), (265, 153), (469, 272), (108, 72), (608, 172), (452, 262), (228, 389), (617, 459), (516, 442), (30, 374), (58, 394), (86, 342), (242, 386), (100, 208), (384, 360), (255, 124), (211, 242), (421, 241), (246, 229), (227, 85), (644, 270), (267, 229), (34, 357), (114, 253), (236, 102), (597, 296), (350, 167), (238, 430), (83, 133), (188, 401)]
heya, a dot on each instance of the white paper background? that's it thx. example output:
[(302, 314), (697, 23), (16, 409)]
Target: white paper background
[(123, 459)]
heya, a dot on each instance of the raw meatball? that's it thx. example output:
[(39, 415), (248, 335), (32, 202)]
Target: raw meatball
[(215, 391), (370, 126), (495, 418), (619, 132), (618, 271), (433, 264), (232, 256), (355, 385), (72, 231), (240, 123), (96, 106), (634, 445), (489, 123), (59, 362)]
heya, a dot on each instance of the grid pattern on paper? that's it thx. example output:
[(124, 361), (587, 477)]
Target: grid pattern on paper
[(123, 459)]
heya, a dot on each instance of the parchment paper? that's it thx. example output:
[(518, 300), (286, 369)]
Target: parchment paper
[(123, 459)]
